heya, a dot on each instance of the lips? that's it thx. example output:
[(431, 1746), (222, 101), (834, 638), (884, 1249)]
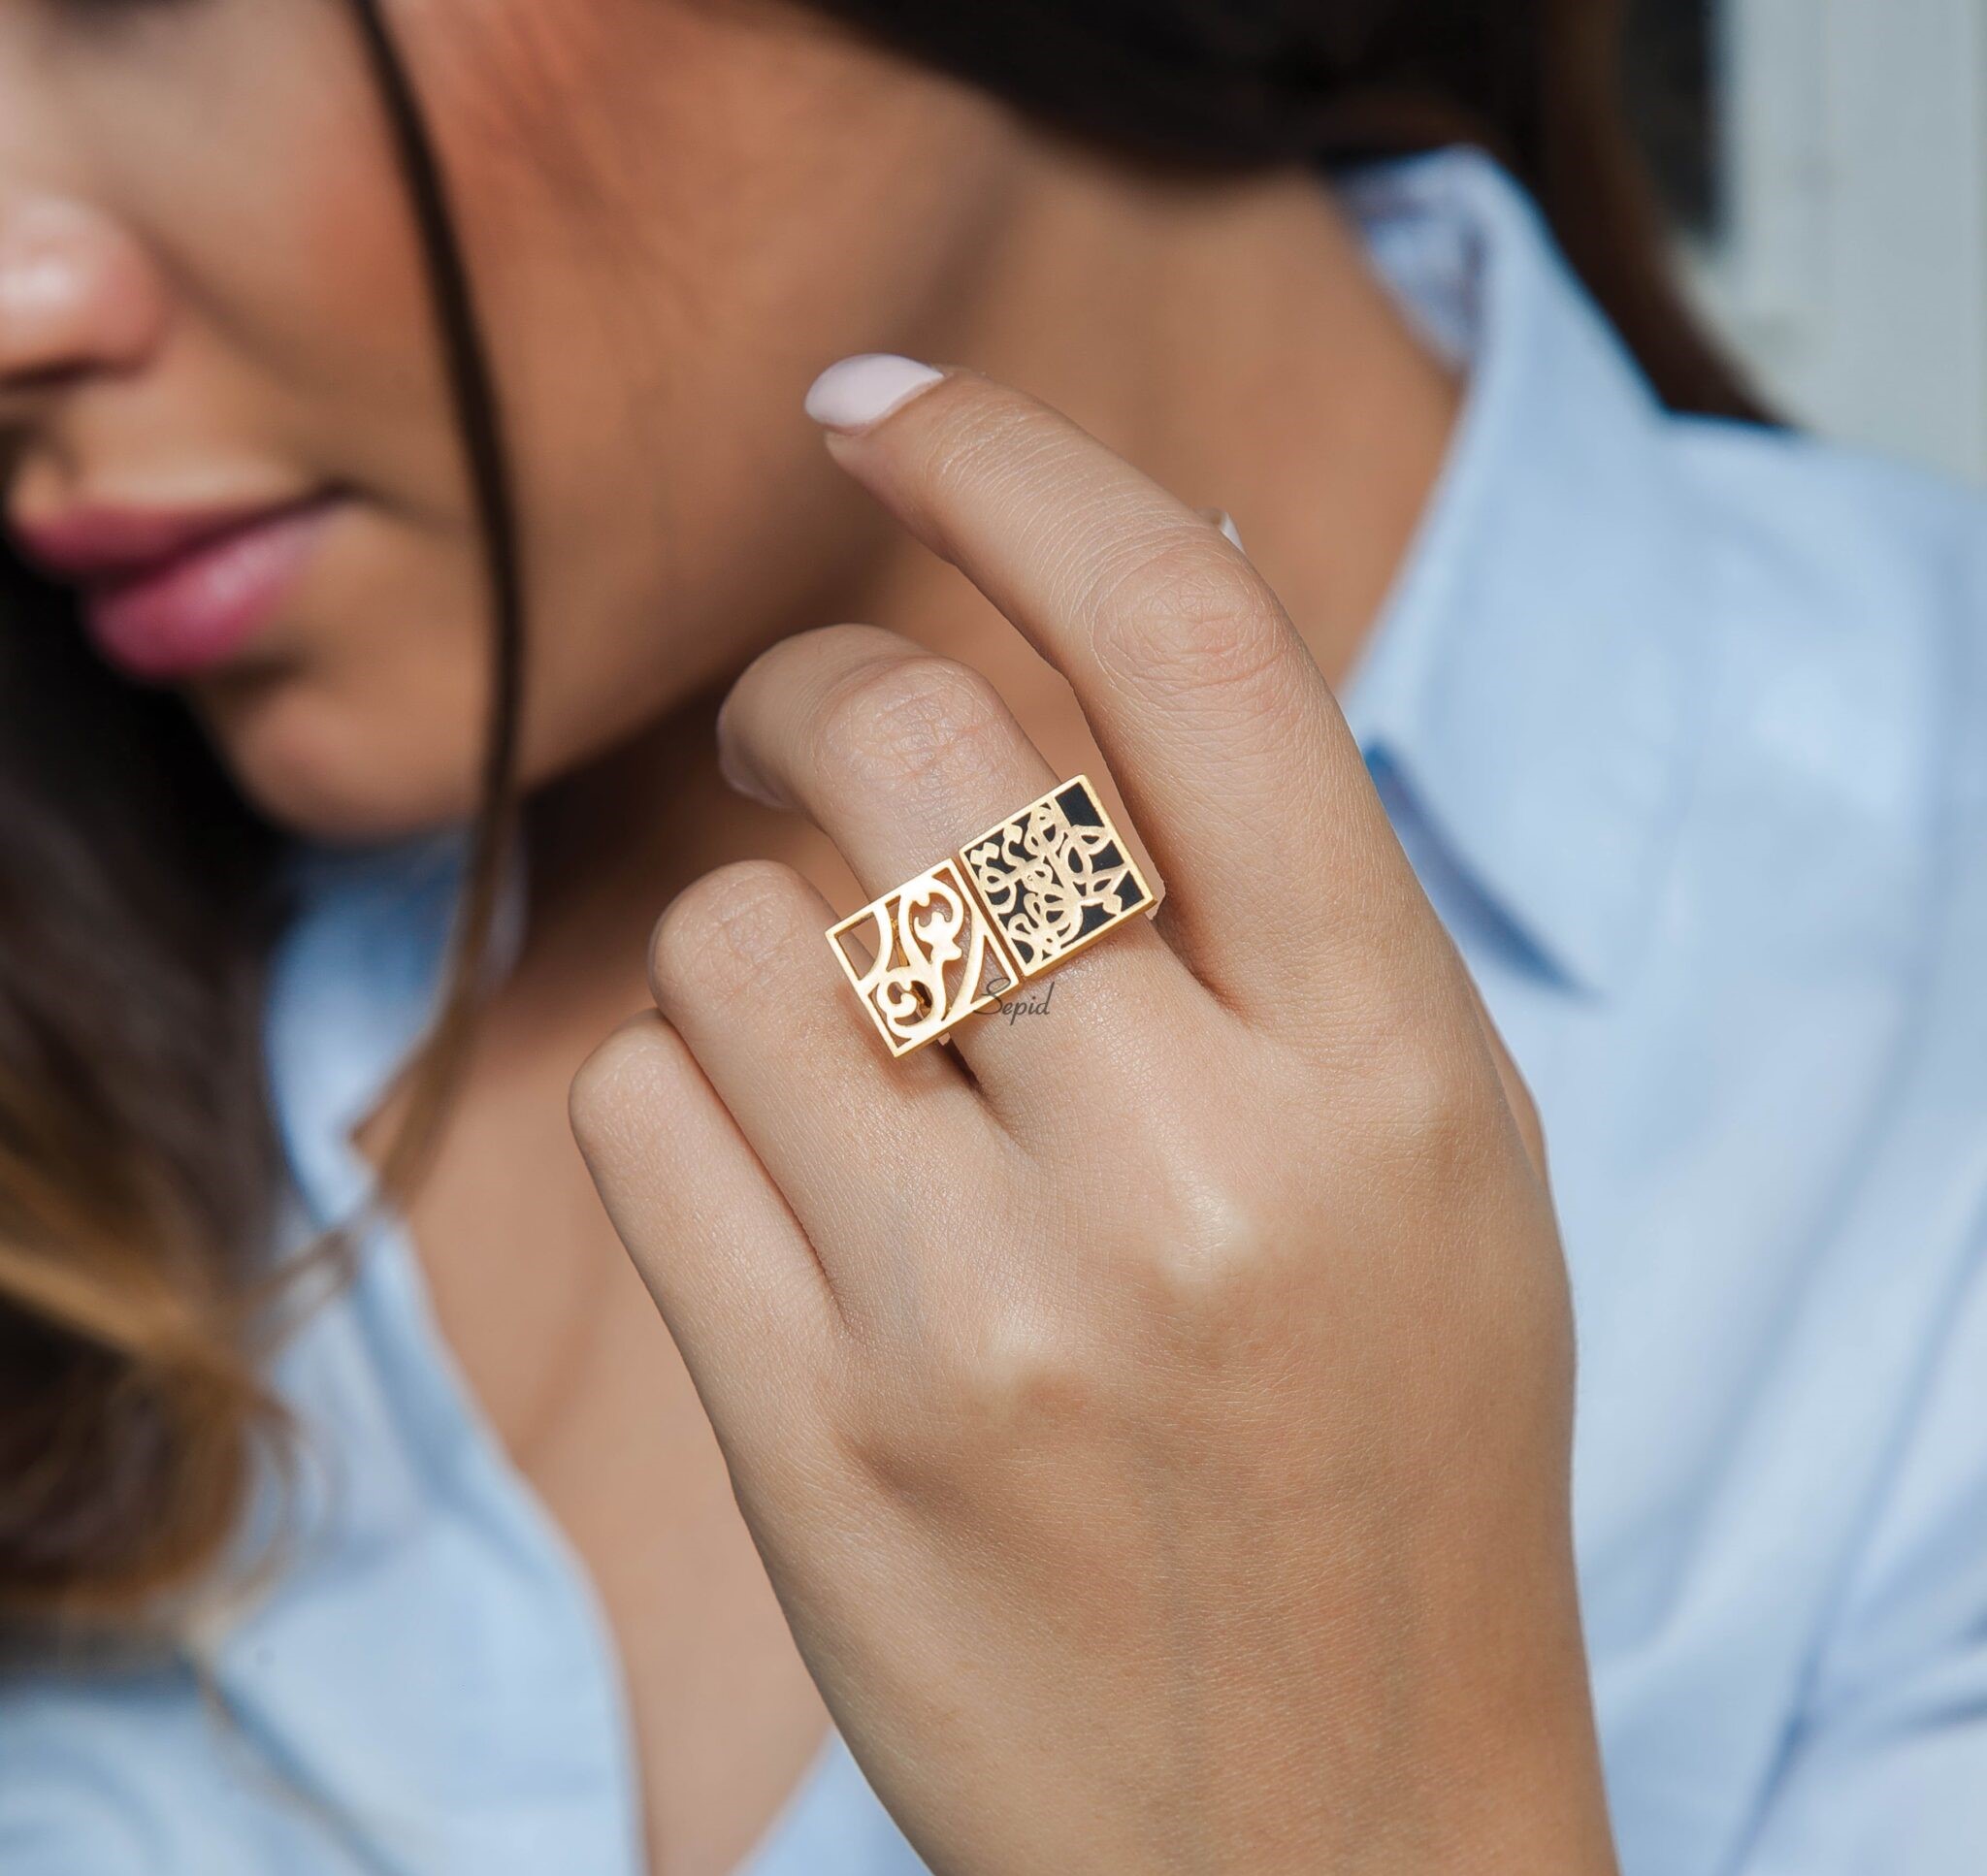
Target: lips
[(170, 594)]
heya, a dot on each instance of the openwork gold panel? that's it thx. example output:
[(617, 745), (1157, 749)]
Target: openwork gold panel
[(933, 957), (1056, 876)]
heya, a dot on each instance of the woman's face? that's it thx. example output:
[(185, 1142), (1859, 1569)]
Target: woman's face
[(223, 413)]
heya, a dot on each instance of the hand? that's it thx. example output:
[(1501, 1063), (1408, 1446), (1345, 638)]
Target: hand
[(1155, 1418)]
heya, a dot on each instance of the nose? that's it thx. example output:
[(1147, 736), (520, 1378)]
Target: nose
[(78, 294)]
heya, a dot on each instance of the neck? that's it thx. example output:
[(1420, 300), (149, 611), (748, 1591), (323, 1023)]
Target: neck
[(1229, 339), (1226, 336)]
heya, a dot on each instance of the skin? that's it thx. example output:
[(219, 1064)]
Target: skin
[(1157, 1492)]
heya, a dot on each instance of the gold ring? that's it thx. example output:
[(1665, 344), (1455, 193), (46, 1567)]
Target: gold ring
[(1007, 907)]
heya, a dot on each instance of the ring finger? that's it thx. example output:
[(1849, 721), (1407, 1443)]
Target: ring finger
[(900, 757)]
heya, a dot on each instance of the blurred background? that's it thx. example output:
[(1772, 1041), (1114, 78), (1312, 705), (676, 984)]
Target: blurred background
[(1827, 164)]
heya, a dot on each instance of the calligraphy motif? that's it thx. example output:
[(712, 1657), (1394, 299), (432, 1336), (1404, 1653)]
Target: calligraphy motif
[(1055, 876), (934, 958)]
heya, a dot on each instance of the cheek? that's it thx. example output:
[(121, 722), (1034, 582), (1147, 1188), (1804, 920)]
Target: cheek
[(284, 229), (300, 355), (672, 226), (676, 223)]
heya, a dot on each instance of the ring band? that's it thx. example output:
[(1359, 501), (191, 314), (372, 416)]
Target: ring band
[(1009, 906)]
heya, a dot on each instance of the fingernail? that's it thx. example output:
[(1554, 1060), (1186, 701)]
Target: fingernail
[(1225, 521), (855, 392), (741, 780)]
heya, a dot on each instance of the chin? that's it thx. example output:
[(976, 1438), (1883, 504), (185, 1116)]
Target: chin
[(327, 771)]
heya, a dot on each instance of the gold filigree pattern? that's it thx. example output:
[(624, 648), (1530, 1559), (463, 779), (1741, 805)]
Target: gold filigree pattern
[(1056, 877), (934, 958)]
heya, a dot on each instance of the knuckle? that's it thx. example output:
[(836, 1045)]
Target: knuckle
[(1021, 1373), (920, 721), (1183, 618), (721, 932), (1215, 1251), (1434, 1111), (1018, 1385), (627, 1078), (994, 436), (782, 671)]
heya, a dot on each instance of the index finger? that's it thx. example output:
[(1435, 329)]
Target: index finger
[(1223, 735)]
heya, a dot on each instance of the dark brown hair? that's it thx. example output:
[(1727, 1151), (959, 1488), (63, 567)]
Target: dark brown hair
[(137, 894)]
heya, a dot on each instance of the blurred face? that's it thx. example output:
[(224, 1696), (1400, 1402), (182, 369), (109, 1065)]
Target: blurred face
[(224, 420)]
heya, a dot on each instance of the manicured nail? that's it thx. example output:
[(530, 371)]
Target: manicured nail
[(743, 780), (858, 391), (1225, 521)]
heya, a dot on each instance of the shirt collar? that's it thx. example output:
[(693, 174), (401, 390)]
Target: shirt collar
[(353, 986), (350, 989), (1531, 679)]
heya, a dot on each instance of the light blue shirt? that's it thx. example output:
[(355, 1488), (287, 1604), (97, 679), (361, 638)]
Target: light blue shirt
[(1685, 728)]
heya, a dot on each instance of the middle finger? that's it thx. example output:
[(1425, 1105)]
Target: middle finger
[(1282, 872)]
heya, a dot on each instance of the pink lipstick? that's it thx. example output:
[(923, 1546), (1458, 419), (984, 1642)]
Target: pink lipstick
[(171, 594)]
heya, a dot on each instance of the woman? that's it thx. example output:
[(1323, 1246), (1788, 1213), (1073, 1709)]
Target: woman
[(1144, 1432)]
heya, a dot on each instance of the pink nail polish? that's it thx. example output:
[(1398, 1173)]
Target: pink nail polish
[(856, 393)]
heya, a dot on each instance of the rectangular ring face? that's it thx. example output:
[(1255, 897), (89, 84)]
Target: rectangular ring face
[(1056, 876), (934, 958)]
